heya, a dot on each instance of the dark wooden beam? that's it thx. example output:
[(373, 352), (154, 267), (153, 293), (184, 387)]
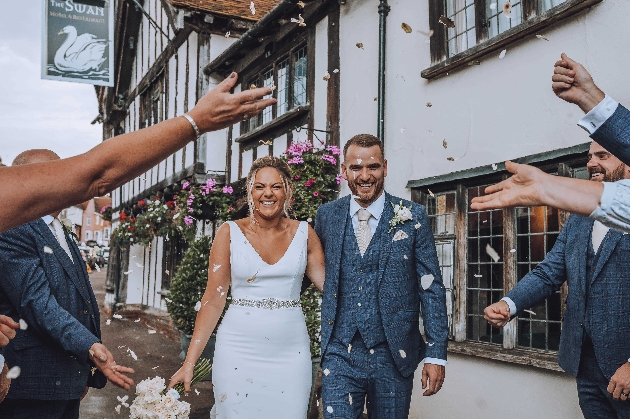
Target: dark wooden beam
[(333, 92)]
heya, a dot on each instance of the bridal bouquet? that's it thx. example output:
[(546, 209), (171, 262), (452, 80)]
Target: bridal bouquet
[(154, 402)]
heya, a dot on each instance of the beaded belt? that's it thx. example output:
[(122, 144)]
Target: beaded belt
[(267, 303)]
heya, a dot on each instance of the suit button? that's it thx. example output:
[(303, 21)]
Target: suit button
[(87, 301), (581, 324), (361, 271), (335, 295), (86, 312), (359, 304), (330, 322)]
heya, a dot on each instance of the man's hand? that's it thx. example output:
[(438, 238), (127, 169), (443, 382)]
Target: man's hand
[(85, 392), (571, 82), (219, 108), (104, 361), (433, 377), (7, 330), (497, 314), (619, 385)]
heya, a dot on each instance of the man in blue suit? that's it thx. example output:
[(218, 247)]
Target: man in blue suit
[(43, 281), (381, 269), (595, 339)]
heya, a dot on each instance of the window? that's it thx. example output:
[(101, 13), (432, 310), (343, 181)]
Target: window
[(483, 254), (98, 236), (459, 25), (152, 102), (288, 74), (88, 235), (88, 221), (106, 232)]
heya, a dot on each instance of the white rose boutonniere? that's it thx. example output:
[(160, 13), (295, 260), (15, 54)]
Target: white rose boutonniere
[(401, 214)]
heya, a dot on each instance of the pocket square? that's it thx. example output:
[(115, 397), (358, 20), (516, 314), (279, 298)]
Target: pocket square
[(400, 235)]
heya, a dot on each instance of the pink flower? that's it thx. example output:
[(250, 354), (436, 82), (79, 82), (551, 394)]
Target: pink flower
[(296, 160), (329, 158), (228, 189), (296, 177), (188, 220), (334, 150), (185, 185), (231, 209), (296, 149), (338, 179), (315, 193)]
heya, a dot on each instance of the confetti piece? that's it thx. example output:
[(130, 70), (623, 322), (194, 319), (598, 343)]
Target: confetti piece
[(372, 351), (405, 27), (429, 104), (222, 397), (108, 322), (326, 76), (446, 22), (329, 409), (252, 7), (542, 37), (227, 34), (167, 272), (198, 306), (336, 70), (299, 20), (512, 250), (154, 368), (98, 268), (48, 250), (507, 10), (360, 45), (326, 372), (478, 276), (426, 281), (493, 6), (117, 409), (403, 354), (494, 166), (128, 272), (197, 392), (350, 398), (402, 130), (301, 4), (431, 193), (216, 267), (502, 54), (492, 253), (444, 144), (23, 325), (405, 257), (418, 225), (359, 161), (139, 266), (349, 348), (136, 321), (431, 343), (132, 354), (530, 312), (117, 316), (152, 331), (272, 87), (14, 373)]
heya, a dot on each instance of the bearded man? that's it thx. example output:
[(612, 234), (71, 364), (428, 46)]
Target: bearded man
[(595, 339), (381, 269)]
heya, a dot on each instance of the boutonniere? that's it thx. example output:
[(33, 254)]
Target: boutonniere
[(401, 214), (69, 229)]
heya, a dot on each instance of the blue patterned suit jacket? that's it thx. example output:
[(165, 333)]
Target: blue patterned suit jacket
[(614, 134), (606, 312), (402, 264), (56, 300)]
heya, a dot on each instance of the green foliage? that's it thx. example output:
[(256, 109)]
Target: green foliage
[(189, 284)]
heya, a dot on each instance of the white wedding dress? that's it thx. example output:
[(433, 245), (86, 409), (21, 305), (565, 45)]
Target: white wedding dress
[(262, 361)]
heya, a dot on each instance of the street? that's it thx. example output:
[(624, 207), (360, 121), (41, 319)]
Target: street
[(157, 355)]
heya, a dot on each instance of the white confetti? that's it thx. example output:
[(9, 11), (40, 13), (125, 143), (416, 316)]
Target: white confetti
[(299, 21), (418, 225), (372, 351), (512, 250), (431, 343), (542, 37), (502, 54), (478, 276), (492, 253), (117, 316), (405, 257), (14, 373), (326, 76), (494, 166), (426, 281), (198, 306), (326, 372), (403, 354), (350, 398), (222, 397), (431, 194), (117, 409), (252, 7), (197, 392), (329, 409), (139, 266), (48, 250), (108, 322), (215, 267), (530, 312), (493, 6), (136, 321), (301, 4), (23, 325), (167, 272), (128, 272), (336, 70), (507, 10), (155, 368), (152, 331), (349, 348), (359, 161), (402, 130), (98, 268), (227, 34), (132, 354)]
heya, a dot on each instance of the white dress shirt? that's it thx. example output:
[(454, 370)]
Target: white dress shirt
[(376, 210), (50, 220), (598, 115)]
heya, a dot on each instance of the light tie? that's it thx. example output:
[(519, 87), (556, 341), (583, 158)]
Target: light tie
[(364, 234), (61, 237)]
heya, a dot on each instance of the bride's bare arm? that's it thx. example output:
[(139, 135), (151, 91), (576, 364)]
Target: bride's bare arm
[(315, 261), (212, 304)]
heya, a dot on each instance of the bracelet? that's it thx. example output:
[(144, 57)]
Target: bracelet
[(194, 125)]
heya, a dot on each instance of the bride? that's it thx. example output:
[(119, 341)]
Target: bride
[(262, 360)]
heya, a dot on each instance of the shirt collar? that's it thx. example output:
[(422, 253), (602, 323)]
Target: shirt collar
[(376, 208), (48, 219)]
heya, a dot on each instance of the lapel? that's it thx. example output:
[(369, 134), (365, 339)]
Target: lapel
[(385, 237), (585, 227), (337, 229), (50, 240), (605, 250)]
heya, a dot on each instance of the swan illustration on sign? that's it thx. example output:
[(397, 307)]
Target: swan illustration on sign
[(80, 53)]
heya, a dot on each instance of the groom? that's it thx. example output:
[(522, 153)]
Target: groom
[(381, 267)]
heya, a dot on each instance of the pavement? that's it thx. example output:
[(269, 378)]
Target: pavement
[(157, 353)]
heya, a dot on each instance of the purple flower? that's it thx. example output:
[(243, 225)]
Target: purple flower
[(334, 150), (329, 158), (228, 189), (296, 149), (188, 220), (338, 179), (296, 160), (185, 185)]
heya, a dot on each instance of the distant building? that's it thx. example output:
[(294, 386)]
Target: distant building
[(94, 227)]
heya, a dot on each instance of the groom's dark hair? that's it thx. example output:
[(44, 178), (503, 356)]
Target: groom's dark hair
[(364, 141)]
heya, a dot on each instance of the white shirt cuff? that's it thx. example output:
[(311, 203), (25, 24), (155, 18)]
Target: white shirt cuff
[(598, 115), (1, 362), (435, 361), (511, 304)]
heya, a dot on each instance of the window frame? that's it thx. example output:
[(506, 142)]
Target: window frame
[(532, 23), (563, 162)]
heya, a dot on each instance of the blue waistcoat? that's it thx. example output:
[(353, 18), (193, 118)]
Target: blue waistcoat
[(358, 308)]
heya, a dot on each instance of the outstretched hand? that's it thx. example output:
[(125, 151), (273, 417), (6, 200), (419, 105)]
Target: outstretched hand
[(219, 108), (7, 330), (433, 378), (571, 82), (104, 361)]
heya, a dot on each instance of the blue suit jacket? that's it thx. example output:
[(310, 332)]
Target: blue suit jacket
[(614, 134), (400, 294), (55, 298), (606, 310)]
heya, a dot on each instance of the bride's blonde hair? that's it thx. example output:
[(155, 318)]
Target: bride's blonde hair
[(285, 174)]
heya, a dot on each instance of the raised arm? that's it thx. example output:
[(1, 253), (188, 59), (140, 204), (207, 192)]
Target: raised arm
[(32, 191), (212, 304), (315, 269)]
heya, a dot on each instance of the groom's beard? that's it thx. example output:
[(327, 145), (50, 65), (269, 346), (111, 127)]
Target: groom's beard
[(618, 173), (369, 197)]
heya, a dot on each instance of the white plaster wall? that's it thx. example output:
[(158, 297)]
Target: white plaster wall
[(488, 113), (321, 86), (135, 274), (481, 389)]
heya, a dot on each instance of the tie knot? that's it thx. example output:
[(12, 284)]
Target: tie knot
[(364, 214)]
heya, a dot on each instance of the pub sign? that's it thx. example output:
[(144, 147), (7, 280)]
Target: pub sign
[(78, 41)]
